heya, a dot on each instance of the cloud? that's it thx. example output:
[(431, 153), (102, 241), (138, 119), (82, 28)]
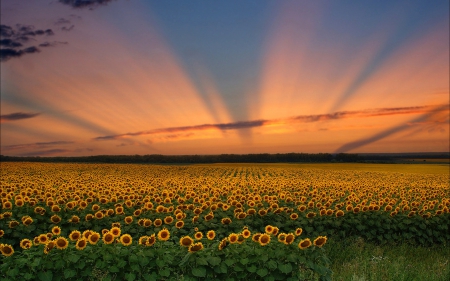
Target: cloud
[(84, 3), (36, 145), (17, 116), (50, 152), (64, 28), (421, 119), (13, 45), (290, 120)]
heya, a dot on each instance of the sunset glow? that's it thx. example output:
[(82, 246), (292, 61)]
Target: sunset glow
[(163, 77)]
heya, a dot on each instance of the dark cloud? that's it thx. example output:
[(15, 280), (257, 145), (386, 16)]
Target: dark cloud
[(16, 37), (17, 116), (85, 3), (10, 43), (49, 152), (386, 133), (51, 44), (67, 28), (6, 31), (291, 120), (62, 21), (36, 145)]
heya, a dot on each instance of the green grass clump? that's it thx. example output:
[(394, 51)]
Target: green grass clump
[(356, 260)]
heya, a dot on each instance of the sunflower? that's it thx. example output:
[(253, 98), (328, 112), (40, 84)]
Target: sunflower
[(74, 235), (137, 212), (87, 233), (275, 231), (56, 230), (2, 232), (233, 238), (56, 209), (209, 216), (195, 219), (281, 237), (7, 250), (293, 216), (126, 239), (61, 243), (298, 231), (268, 229), (13, 224), (195, 247), (305, 243), (264, 239), (163, 234), (27, 220), (262, 212), (310, 215), (198, 235), (115, 231), (128, 219), (74, 219), (223, 243), (356, 210), (94, 238), (168, 220), (339, 213), (99, 215), (104, 231), (289, 239), (55, 219), (186, 241), (226, 221), (301, 208), (255, 237), (107, 238), (241, 239), (179, 224), (320, 241), (43, 239), (89, 217), (246, 233), (81, 244), (150, 240), (143, 240), (147, 223), (119, 210), (241, 215), (26, 244), (157, 222)]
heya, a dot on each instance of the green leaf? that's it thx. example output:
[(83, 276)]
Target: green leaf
[(244, 261), (252, 268), (13, 272), (262, 272), (114, 269), (214, 261), (73, 258), (130, 276), (202, 261), (80, 265), (285, 268), (28, 276), (229, 262), (165, 272), (199, 271), (69, 273), (121, 264), (45, 275), (272, 264)]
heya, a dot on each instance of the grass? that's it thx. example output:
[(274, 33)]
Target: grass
[(356, 260)]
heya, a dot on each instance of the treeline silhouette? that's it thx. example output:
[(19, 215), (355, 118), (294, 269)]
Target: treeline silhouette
[(228, 158)]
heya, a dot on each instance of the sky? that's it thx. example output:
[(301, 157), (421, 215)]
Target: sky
[(117, 77)]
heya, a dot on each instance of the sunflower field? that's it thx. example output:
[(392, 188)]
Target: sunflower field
[(207, 222)]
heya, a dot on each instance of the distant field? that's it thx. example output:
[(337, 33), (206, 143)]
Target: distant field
[(400, 168)]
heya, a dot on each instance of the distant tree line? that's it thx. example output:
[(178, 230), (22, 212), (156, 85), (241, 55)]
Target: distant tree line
[(228, 158)]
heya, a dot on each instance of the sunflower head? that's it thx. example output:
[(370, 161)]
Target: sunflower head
[(94, 238), (115, 231), (157, 222), (223, 243), (233, 238), (246, 233), (150, 240), (195, 247), (81, 244), (6, 250), (198, 235), (164, 234), (108, 238), (305, 243), (56, 230), (211, 235), (74, 235), (264, 239), (26, 244), (186, 241), (298, 231), (320, 241), (179, 224), (289, 239), (126, 240), (61, 243)]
